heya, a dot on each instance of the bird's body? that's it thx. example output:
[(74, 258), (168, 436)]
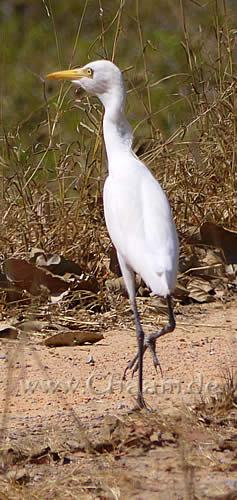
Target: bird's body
[(137, 212), (134, 199)]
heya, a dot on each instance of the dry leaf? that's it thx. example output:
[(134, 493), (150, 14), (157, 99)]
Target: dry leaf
[(55, 263), (181, 292), (189, 261), (113, 262), (34, 253), (8, 332), (87, 283), (31, 326), (47, 261), (4, 283), (69, 338), (199, 290), (25, 276), (217, 236), (117, 285)]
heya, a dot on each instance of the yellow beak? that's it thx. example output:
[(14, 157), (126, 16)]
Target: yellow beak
[(68, 74)]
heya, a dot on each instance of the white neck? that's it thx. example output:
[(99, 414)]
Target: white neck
[(118, 134)]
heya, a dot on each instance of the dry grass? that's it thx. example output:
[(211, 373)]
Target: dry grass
[(196, 164), (224, 402)]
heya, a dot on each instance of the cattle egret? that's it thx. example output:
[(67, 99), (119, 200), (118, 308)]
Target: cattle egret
[(137, 212)]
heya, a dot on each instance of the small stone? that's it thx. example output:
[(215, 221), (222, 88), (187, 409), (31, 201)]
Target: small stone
[(90, 360)]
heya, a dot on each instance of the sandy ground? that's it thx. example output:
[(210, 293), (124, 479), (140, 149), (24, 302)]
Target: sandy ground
[(56, 397)]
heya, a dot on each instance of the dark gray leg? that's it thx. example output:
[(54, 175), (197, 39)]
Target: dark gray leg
[(140, 345), (128, 275), (150, 341)]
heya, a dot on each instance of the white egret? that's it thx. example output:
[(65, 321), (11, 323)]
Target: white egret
[(137, 212)]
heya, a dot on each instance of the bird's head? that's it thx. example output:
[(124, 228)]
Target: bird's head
[(100, 78)]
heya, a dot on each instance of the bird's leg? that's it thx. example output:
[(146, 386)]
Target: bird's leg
[(150, 341), (140, 345), (139, 357), (128, 276)]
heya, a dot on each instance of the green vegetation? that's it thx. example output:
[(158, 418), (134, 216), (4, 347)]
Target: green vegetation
[(156, 40)]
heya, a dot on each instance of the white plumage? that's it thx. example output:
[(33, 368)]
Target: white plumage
[(140, 224), (137, 212)]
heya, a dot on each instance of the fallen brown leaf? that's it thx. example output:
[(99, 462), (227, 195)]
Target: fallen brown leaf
[(26, 276), (8, 332), (218, 236), (69, 338), (199, 290)]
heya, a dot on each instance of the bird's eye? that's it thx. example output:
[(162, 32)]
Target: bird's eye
[(89, 72)]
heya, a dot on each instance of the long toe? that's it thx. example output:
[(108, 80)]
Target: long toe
[(133, 364), (135, 368), (152, 348), (141, 402), (156, 363), (130, 366)]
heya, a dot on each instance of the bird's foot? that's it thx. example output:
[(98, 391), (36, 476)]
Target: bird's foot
[(152, 348), (140, 402), (133, 364), (140, 405)]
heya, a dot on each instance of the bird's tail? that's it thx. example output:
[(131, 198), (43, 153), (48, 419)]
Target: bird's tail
[(163, 283)]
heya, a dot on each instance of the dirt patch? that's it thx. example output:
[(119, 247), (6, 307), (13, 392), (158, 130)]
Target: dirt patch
[(67, 430)]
